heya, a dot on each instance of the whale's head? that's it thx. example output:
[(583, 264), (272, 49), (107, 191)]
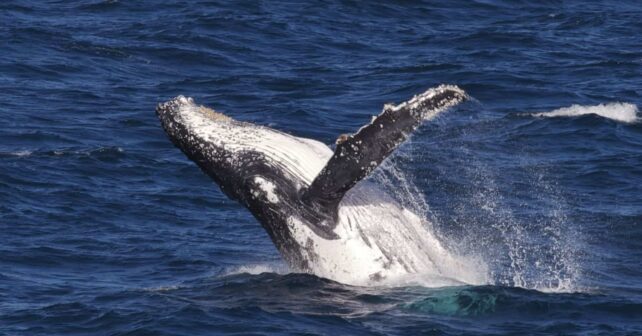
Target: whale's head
[(182, 118), (262, 168), (196, 130), (224, 148)]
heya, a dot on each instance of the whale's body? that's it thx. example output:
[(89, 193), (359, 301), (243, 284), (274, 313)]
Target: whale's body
[(309, 198)]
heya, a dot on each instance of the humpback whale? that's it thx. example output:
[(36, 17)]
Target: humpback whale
[(314, 203)]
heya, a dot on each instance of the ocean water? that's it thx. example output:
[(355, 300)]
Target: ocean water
[(107, 229)]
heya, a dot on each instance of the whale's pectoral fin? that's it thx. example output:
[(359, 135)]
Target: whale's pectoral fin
[(359, 154)]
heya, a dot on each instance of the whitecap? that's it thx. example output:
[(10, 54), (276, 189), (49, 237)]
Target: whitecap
[(622, 112)]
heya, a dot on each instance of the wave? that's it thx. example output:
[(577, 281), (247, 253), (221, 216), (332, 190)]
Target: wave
[(20, 153), (622, 112), (98, 151)]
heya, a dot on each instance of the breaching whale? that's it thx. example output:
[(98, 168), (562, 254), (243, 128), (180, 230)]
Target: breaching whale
[(310, 200)]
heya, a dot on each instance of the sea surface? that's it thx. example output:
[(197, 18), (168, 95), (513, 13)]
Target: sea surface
[(107, 229)]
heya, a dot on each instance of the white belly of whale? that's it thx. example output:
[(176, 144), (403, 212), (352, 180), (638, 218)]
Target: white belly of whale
[(382, 243)]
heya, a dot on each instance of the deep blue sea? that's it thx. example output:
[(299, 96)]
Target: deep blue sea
[(107, 229)]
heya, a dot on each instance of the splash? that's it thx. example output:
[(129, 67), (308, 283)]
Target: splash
[(622, 112), (454, 267), (508, 246), (526, 244)]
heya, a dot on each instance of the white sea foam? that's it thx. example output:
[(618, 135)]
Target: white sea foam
[(622, 112), (162, 288), (257, 269), (19, 153)]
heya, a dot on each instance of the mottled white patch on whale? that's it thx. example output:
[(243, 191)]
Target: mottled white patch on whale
[(268, 188)]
